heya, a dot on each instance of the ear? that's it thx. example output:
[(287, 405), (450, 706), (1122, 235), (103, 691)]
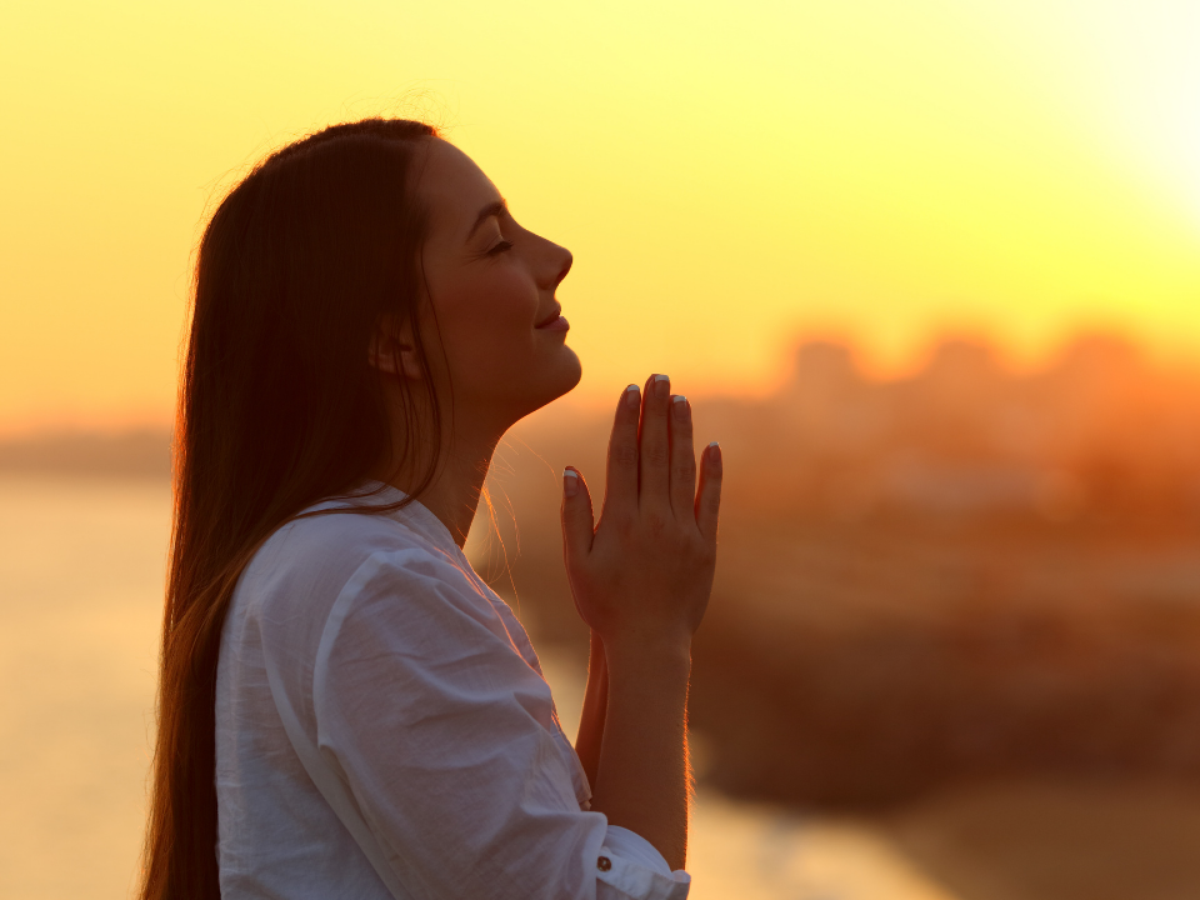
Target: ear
[(393, 351)]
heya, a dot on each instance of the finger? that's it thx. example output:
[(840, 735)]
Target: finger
[(622, 488), (655, 465), (578, 524), (708, 498), (683, 459)]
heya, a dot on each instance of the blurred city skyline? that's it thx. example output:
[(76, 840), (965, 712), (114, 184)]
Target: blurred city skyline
[(963, 433)]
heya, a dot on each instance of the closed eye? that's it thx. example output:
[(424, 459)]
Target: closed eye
[(500, 248)]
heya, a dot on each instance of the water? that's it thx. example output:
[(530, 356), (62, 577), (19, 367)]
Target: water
[(82, 565), (81, 573), (759, 852)]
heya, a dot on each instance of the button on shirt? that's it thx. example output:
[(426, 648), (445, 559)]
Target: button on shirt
[(384, 730)]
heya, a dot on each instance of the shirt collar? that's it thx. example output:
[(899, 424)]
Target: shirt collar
[(416, 516)]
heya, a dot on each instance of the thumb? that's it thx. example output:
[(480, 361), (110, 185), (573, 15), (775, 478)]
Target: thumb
[(577, 522)]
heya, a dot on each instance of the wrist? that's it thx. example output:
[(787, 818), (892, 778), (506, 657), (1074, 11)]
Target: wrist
[(648, 652)]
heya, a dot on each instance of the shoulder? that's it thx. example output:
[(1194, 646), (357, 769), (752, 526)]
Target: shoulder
[(302, 570)]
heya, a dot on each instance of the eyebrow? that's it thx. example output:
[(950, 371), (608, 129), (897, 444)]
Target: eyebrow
[(498, 208)]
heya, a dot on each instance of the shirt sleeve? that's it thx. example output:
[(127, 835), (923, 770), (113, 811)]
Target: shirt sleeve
[(446, 739), (630, 866)]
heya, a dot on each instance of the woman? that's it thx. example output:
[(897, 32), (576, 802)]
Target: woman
[(346, 710)]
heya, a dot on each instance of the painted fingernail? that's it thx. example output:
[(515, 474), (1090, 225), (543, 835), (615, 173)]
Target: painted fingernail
[(631, 396), (662, 385), (680, 405), (570, 482)]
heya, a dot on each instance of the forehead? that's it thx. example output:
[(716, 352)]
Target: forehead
[(453, 189)]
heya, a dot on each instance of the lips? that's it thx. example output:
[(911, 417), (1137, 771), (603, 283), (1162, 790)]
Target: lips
[(550, 318)]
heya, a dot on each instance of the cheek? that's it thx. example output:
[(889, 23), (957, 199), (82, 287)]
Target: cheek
[(488, 319)]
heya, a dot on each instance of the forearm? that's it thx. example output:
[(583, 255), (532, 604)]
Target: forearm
[(595, 702), (642, 778)]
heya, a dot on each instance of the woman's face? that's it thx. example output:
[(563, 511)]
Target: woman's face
[(492, 285)]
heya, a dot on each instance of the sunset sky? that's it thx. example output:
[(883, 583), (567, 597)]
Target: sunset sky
[(728, 176)]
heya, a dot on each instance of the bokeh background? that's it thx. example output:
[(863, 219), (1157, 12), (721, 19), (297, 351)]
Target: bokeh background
[(929, 271)]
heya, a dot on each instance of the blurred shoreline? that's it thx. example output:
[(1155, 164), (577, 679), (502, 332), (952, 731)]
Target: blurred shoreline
[(143, 453)]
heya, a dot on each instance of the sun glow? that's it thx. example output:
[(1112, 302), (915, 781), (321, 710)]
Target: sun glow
[(1128, 73), (1150, 62), (727, 178)]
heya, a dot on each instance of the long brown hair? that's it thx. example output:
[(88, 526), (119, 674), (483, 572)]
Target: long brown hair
[(278, 409)]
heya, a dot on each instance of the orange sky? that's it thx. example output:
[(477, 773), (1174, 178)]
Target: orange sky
[(727, 177)]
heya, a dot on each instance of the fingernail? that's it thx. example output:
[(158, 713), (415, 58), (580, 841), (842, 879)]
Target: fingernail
[(632, 400), (570, 483), (680, 404), (714, 452), (662, 385)]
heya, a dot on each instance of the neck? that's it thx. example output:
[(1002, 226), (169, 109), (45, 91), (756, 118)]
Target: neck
[(453, 495)]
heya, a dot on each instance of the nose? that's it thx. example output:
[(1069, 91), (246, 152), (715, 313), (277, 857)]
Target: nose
[(558, 264)]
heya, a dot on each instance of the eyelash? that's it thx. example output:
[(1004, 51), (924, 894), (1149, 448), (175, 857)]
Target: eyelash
[(500, 248)]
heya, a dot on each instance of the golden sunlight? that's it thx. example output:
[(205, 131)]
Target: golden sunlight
[(727, 179)]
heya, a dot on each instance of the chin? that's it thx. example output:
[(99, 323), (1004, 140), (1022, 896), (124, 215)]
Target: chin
[(575, 370), (564, 379), (560, 381)]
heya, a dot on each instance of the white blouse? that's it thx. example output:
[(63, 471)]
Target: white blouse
[(384, 731)]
